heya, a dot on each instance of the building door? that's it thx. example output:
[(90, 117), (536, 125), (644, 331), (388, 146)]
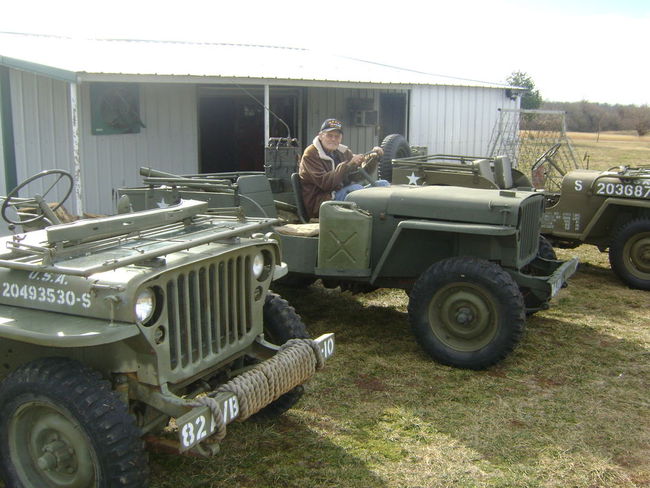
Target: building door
[(231, 126), (392, 114)]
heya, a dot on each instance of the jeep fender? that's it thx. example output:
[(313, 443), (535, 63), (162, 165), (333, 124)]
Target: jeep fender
[(446, 227), (60, 330), (601, 218)]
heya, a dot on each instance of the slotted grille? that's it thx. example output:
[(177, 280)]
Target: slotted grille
[(209, 309), (529, 226)]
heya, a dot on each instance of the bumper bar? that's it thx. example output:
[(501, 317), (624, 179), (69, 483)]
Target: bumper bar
[(543, 279), (251, 391)]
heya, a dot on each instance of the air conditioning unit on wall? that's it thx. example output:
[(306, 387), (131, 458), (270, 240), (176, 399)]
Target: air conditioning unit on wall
[(362, 111), (365, 117)]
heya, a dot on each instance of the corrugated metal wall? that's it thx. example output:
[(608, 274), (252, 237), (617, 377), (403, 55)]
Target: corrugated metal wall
[(445, 119), (3, 183), (455, 120), (43, 138), (169, 142), (324, 103)]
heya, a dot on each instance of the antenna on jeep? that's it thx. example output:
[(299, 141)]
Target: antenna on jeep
[(266, 108)]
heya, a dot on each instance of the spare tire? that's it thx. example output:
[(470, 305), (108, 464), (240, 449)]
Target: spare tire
[(394, 146)]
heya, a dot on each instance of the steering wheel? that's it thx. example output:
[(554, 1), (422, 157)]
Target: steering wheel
[(370, 160), (365, 176), (549, 154), (12, 200)]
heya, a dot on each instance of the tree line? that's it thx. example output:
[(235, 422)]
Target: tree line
[(585, 116), (596, 117)]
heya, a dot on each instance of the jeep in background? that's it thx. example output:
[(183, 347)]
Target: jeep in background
[(608, 209), (468, 259), (111, 326)]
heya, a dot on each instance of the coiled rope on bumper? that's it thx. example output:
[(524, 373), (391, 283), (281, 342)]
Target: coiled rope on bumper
[(296, 362)]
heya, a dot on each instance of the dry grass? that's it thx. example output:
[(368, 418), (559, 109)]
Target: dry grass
[(612, 149), (568, 409), (606, 137)]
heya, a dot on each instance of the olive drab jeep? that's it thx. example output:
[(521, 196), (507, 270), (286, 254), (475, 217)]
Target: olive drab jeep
[(608, 209), (468, 260), (111, 326)]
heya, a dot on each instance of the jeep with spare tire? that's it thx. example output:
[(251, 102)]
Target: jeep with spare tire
[(608, 209), (112, 326), (468, 259)]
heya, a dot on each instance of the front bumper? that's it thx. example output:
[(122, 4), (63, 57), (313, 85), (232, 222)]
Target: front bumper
[(542, 279), (209, 414)]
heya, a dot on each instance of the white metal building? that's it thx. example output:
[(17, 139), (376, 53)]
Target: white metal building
[(102, 108)]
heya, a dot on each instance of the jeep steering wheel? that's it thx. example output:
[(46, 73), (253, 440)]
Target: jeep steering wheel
[(42, 208), (361, 171), (365, 176), (549, 154)]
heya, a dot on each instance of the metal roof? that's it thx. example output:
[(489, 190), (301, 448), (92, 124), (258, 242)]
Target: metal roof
[(74, 59)]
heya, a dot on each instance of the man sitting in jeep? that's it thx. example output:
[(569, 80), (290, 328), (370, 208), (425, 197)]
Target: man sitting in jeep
[(326, 167)]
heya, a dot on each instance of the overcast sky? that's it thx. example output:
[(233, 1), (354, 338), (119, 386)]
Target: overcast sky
[(593, 50)]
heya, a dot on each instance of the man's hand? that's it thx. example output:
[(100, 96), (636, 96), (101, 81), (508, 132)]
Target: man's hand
[(356, 161), (378, 150)]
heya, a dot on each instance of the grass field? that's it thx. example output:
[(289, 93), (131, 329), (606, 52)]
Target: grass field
[(612, 148), (570, 407)]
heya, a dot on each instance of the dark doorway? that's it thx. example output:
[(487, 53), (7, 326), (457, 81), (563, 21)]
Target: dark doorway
[(392, 114), (231, 127), (231, 134)]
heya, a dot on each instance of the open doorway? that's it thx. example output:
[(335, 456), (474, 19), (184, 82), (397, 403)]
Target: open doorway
[(392, 114), (231, 126)]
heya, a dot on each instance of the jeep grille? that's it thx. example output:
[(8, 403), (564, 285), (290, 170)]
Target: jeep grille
[(529, 226), (209, 310)]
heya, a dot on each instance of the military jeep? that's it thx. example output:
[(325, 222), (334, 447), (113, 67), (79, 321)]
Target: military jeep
[(467, 258), (608, 209), (111, 326)]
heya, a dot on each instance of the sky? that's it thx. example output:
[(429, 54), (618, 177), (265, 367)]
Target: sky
[(573, 50)]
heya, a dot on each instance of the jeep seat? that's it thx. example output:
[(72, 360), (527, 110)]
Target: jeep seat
[(255, 191), (297, 191), (503, 172), (483, 168)]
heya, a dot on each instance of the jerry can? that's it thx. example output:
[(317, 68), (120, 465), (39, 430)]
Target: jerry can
[(344, 243)]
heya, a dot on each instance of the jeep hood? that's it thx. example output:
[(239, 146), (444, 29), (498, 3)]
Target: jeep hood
[(449, 203)]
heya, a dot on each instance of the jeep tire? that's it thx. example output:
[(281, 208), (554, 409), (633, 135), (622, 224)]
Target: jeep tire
[(629, 254), (394, 146), (466, 312), (546, 250), (281, 323), (61, 425)]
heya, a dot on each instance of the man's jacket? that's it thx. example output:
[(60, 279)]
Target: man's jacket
[(320, 176)]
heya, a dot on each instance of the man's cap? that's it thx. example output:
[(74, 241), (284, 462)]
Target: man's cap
[(331, 124)]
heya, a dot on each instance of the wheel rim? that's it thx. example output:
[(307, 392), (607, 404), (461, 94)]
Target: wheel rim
[(48, 449), (637, 255), (463, 316)]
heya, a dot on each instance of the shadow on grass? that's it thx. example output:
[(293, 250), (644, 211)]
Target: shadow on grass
[(256, 454), (572, 398), (359, 327)]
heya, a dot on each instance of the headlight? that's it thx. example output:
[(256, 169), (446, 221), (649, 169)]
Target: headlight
[(258, 265), (145, 304)]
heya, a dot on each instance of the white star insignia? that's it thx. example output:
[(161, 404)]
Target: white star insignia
[(413, 180), (162, 203)]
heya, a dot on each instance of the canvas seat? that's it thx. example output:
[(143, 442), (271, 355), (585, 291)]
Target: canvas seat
[(301, 230)]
